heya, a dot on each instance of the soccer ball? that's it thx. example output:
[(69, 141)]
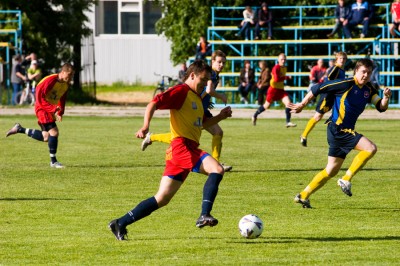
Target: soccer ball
[(250, 226)]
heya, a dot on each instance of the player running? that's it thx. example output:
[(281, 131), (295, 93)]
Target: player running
[(325, 101), (350, 98), (218, 59), (51, 94)]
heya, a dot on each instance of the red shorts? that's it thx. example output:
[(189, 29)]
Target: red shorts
[(275, 94), (44, 117), (183, 156)]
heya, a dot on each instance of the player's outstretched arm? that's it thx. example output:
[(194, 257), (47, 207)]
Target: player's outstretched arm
[(148, 115), (298, 107), (210, 89), (224, 114)]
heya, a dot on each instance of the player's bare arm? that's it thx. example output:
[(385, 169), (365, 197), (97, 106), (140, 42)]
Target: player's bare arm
[(298, 107), (211, 90), (225, 113), (148, 115), (387, 93)]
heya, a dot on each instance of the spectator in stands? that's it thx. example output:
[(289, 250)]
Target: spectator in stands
[(264, 20), (17, 76), (247, 22), (395, 10), (203, 49), (342, 11), (263, 81), (34, 74), (246, 80), (182, 73), (317, 73), (276, 91), (361, 12)]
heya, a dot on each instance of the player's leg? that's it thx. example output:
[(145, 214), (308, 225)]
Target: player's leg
[(167, 189), (50, 134), (367, 150), (33, 133), (150, 137), (310, 126), (286, 101), (216, 145), (215, 172), (267, 104)]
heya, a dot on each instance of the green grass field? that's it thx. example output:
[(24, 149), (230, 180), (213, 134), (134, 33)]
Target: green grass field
[(60, 216)]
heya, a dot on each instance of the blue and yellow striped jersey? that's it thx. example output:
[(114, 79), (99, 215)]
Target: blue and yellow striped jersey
[(350, 100)]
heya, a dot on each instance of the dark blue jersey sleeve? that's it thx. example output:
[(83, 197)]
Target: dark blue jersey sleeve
[(337, 86)]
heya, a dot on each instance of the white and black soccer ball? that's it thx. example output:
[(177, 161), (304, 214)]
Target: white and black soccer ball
[(251, 226)]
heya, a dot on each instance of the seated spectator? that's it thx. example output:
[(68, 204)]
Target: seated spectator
[(264, 20), (203, 49), (182, 73), (246, 80), (342, 11), (247, 22), (263, 81), (395, 10), (361, 12), (317, 73)]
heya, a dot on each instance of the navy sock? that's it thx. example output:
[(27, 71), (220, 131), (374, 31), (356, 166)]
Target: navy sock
[(53, 143), (288, 114), (210, 191), (35, 134), (21, 130), (259, 110), (143, 209)]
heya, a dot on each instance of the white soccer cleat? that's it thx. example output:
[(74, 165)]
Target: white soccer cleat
[(56, 165), (345, 186), (147, 141), (290, 124)]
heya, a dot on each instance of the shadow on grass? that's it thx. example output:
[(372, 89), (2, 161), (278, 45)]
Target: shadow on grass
[(29, 199), (310, 169)]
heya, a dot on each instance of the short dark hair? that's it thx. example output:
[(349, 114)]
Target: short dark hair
[(364, 62), (197, 67)]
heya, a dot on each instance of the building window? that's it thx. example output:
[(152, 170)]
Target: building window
[(151, 14), (126, 17), (106, 17)]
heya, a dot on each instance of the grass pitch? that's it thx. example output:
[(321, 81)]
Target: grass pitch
[(60, 216)]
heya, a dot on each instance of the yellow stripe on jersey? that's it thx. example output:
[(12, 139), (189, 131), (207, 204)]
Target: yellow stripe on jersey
[(342, 109)]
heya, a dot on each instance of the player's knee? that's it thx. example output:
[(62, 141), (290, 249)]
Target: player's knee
[(163, 200), (373, 149), (45, 136)]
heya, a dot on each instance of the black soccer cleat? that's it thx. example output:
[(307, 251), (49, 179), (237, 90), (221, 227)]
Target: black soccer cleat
[(303, 141), (120, 232), (13, 130), (206, 220), (305, 203)]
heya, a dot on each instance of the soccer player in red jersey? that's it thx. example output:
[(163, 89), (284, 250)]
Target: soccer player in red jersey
[(187, 119), (50, 95)]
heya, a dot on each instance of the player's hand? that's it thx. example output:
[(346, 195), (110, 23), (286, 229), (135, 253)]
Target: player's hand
[(141, 133), (57, 117), (387, 93), (226, 112), (296, 107)]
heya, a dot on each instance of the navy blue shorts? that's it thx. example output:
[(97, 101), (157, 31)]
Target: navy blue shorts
[(341, 141), (324, 104)]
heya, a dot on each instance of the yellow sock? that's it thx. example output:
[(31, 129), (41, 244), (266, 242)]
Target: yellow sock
[(310, 125), (318, 181), (166, 137), (216, 146), (358, 162)]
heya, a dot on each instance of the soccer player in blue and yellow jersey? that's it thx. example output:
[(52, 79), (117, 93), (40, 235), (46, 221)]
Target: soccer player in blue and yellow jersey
[(218, 59), (187, 119), (51, 93), (325, 103), (276, 91), (350, 98)]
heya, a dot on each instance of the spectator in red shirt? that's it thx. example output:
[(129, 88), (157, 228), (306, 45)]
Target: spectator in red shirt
[(317, 73)]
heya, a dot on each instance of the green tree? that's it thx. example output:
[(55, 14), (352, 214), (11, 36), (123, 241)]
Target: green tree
[(53, 29)]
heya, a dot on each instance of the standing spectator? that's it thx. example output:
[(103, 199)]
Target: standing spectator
[(264, 20), (276, 91), (34, 74), (351, 97), (183, 156), (317, 73), (182, 73), (395, 10), (361, 12), (17, 76), (203, 48), (325, 101), (51, 94), (342, 11), (246, 80), (263, 81), (247, 22)]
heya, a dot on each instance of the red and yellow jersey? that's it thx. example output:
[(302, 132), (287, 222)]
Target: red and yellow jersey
[(395, 9), (278, 77), (186, 111), (50, 93)]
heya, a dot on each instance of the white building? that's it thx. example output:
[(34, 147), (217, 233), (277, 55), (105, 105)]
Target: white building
[(124, 45)]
